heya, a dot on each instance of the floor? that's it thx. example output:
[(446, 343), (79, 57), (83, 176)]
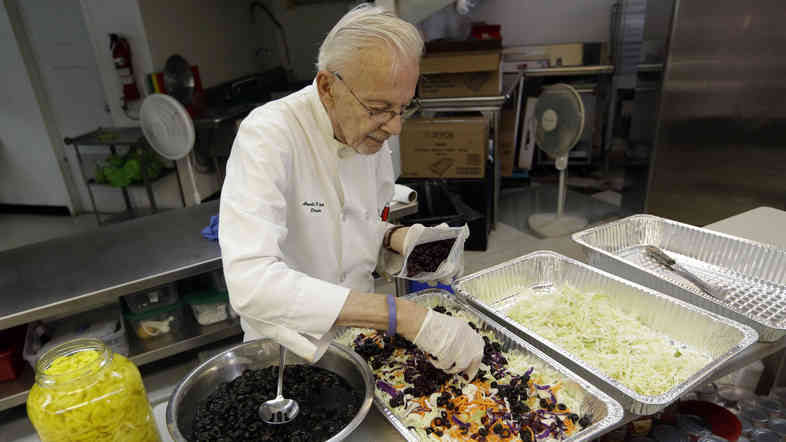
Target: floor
[(509, 240)]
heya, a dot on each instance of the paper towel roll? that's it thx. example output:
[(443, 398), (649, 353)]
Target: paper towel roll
[(404, 194)]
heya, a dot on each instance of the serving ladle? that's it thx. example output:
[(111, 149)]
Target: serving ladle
[(279, 410)]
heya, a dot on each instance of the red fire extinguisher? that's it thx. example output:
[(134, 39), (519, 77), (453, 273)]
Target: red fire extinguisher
[(121, 53)]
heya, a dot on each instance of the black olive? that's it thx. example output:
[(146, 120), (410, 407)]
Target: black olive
[(562, 407), (483, 431), (573, 417), (585, 421), (544, 403)]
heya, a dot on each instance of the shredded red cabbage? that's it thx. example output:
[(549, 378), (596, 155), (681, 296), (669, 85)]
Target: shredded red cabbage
[(387, 388)]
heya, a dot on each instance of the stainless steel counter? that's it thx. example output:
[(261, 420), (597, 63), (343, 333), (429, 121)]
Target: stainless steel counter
[(75, 273)]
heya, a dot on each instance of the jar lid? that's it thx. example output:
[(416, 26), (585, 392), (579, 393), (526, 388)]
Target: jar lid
[(207, 297), (764, 435), (668, 433), (778, 425), (152, 313), (756, 415), (746, 424), (769, 404), (733, 393)]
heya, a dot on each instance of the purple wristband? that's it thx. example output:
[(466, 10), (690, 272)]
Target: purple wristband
[(391, 315)]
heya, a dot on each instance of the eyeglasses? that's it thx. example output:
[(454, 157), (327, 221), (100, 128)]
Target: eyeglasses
[(383, 115)]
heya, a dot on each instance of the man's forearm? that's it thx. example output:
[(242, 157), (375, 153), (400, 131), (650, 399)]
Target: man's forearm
[(370, 310)]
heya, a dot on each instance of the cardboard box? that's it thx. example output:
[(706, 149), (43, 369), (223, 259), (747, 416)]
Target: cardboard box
[(444, 147), (460, 74)]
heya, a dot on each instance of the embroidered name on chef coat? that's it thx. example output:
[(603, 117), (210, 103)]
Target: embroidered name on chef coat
[(313, 206)]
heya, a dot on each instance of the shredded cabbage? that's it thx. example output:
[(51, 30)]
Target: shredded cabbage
[(110, 405), (590, 327)]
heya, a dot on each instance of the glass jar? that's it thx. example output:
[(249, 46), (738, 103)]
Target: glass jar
[(84, 392)]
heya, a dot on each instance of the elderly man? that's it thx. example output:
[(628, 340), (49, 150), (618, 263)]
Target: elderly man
[(309, 175)]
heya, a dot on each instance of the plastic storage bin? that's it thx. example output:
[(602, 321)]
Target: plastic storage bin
[(151, 299), (218, 281), (104, 323), (156, 322), (209, 307), (12, 343)]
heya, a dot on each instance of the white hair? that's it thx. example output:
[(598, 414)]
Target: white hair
[(367, 26)]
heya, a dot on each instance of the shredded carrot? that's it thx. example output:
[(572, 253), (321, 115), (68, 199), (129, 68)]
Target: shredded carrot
[(570, 425)]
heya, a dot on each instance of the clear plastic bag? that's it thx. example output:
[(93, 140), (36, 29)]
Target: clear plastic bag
[(452, 266)]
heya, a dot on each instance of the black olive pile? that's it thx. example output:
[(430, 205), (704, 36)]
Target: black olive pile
[(428, 256), (230, 413)]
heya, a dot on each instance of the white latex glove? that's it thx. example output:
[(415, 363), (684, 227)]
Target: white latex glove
[(452, 341), (450, 268)]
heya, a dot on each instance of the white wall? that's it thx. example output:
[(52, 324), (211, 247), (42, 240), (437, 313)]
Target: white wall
[(546, 21), (125, 17), (29, 170), (103, 17), (65, 62), (305, 27), (213, 34)]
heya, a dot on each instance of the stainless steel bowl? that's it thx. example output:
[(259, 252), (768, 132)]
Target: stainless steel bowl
[(262, 353)]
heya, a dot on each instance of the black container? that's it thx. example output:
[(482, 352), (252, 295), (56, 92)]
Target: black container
[(437, 205)]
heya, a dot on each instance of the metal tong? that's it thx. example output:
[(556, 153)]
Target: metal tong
[(665, 260)]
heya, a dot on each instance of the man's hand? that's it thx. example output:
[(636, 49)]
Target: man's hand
[(452, 341)]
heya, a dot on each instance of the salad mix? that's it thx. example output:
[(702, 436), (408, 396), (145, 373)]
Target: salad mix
[(514, 396)]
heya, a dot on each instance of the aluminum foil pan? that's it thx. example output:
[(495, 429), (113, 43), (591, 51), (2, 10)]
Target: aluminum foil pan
[(497, 288), (752, 274), (606, 411)]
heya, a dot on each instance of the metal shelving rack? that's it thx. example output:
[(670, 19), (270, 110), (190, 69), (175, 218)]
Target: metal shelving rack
[(112, 137)]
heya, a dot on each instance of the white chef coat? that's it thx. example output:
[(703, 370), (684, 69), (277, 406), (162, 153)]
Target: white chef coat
[(299, 222)]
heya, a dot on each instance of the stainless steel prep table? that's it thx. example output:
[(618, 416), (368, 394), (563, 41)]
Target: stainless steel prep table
[(69, 275), (762, 224)]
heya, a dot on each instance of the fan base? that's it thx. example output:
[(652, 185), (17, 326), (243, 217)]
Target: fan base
[(548, 225)]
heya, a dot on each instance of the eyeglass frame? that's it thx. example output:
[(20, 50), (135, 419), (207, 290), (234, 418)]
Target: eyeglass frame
[(409, 110)]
